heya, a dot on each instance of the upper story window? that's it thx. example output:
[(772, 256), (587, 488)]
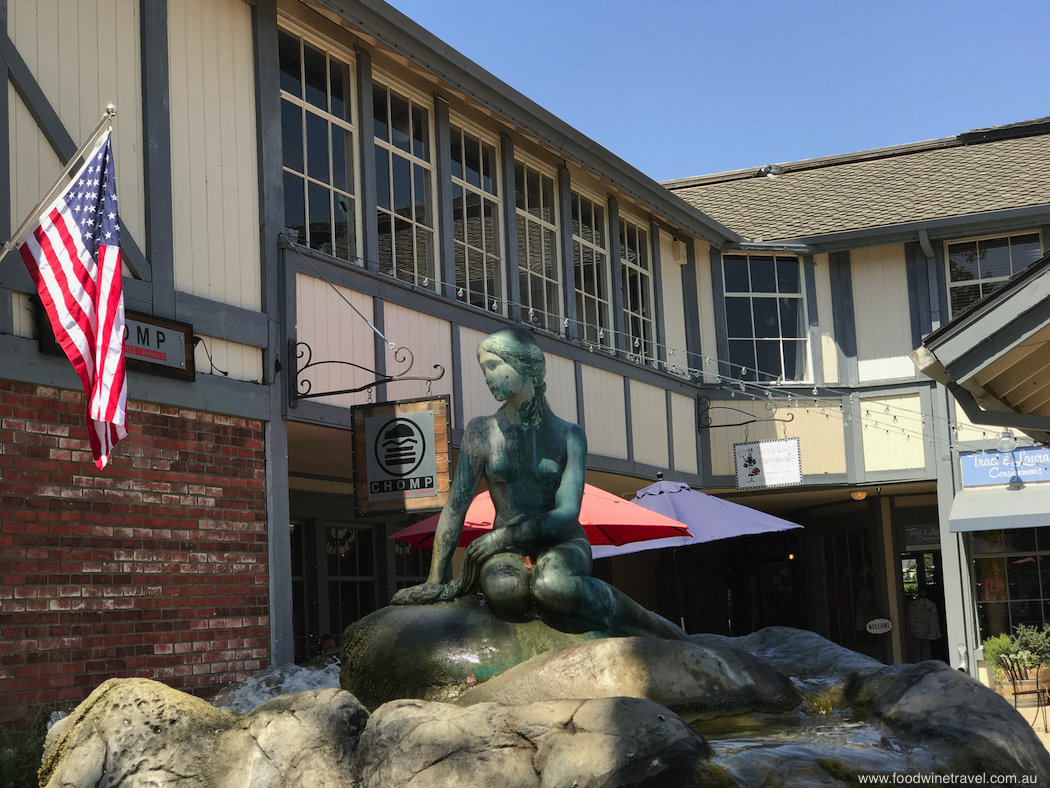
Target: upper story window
[(590, 252), (637, 273), (538, 266), (317, 127), (476, 221), (765, 317), (404, 187), (977, 267)]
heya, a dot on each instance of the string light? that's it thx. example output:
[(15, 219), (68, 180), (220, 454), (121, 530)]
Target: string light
[(940, 423)]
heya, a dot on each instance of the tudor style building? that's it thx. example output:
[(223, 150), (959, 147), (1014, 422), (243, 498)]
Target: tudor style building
[(326, 181)]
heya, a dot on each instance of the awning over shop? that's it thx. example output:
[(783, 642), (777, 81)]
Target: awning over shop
[(987, 510)]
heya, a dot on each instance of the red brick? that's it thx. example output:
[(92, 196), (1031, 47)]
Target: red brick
[(154, 568)]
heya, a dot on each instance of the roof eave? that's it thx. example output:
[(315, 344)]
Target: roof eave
[(413, 42), (975, 223)]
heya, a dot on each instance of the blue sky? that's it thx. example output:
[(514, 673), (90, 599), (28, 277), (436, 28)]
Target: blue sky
[(687, 88)]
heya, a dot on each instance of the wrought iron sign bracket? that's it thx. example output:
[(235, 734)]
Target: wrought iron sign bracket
[(703, 410), (301, 387)]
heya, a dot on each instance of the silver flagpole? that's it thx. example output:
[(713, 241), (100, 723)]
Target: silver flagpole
[(34, 215)]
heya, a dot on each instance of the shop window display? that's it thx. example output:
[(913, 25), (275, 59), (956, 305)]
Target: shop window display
[(1011, 575)]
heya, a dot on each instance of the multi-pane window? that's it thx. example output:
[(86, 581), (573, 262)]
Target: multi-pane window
[(538, 271), (1011, 575), (476, 221), (765, 317), (318, 147), (591, 262), (637, 273), (404, 187), (978, 267)]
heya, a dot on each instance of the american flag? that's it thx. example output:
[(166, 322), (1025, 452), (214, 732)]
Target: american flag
[(73, 255)]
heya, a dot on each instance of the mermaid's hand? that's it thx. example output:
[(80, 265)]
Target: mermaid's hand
[(423, 594)]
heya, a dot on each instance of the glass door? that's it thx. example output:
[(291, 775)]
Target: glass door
[(922, 593)]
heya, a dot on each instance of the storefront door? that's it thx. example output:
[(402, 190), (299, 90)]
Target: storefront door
[(922, 595)]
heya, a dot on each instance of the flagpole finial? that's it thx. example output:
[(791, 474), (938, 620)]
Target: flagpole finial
[(111, 110)]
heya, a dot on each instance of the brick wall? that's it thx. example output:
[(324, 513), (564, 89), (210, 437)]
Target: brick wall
[(155, 567)]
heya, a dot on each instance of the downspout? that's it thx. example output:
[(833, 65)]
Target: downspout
[(931, 274)]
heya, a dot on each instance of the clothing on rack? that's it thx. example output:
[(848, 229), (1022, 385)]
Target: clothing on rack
[(924, 620)]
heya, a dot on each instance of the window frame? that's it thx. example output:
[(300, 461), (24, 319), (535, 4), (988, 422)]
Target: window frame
[(522, 219), (645, 351), (353, 192), (1012, 604), (604, 333), (430, 278), (753, 373), (997, 280), (499, 198)]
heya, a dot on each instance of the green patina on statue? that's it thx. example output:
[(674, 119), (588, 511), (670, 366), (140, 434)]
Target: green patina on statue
[(536, 561)]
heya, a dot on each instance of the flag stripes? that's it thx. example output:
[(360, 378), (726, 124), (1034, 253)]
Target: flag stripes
[(73, 255)]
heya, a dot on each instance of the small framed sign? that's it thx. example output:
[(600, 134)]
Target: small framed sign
[(158, 346), (151, 344), (401, 455), (775, 463)]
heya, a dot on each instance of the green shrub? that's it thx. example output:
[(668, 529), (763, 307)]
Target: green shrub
[(995, 647), (1035, 641), (22, 749)]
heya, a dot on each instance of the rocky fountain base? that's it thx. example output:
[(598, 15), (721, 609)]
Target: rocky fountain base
[(459, 698)]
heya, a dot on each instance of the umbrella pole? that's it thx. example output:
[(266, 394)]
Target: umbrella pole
[(678, 586)]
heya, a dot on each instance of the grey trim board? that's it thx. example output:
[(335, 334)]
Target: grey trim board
[(7, 313), (379, 321), (581, 415), (853, 441), (995, 418), (918, 292), (457, 379), (406, 295), (278, 543), (510, 229), (271, 329), (1007, 220), (14, 276), (443, 155), (315, 412), (156, 153), (843, 316), (640, 470), (369, 250), (138, 295), (628, 421), (718, 295), (222, 321), (7, 317), (670, 430), (212, 393), (616, 286), (568, 267), (691, 308), (816, 350), (658, 292), (5, 146)]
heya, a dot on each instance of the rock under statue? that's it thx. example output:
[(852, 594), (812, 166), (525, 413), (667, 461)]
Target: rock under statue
[(536, 560)]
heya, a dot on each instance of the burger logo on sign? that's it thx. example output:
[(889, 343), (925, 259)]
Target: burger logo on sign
[(400, 447)]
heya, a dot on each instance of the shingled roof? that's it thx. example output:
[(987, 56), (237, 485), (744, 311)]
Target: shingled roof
[(978, 171)]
